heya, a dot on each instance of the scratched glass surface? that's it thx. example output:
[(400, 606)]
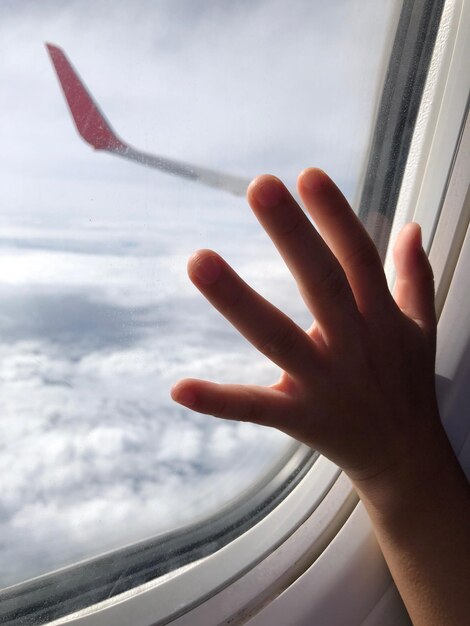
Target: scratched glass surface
[(97, 316)]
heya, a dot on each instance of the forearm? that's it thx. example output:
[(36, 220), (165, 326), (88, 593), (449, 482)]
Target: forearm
[(421, 518)]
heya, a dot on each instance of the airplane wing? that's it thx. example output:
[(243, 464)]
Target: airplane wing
[(94, 128)]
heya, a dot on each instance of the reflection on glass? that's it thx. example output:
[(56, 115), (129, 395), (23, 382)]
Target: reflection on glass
[(97, 317)]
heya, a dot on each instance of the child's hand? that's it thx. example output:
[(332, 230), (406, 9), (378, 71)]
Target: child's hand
[(358, 385)]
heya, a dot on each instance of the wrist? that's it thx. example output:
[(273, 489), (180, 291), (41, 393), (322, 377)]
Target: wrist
[(420, 513), (404, 485)]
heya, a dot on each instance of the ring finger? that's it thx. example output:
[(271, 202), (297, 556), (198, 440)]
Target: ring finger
[(269, 330)]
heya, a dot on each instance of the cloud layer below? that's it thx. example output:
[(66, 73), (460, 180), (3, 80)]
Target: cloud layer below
[(97, 317)]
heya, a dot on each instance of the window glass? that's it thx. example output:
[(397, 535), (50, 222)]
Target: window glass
[(97, 317)]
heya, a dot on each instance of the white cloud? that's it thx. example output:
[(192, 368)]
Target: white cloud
[(96, 455), (97, 315)]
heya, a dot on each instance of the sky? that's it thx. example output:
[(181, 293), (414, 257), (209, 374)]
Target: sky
[(97, 316)]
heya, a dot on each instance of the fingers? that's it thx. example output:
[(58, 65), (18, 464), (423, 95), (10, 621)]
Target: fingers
[(319, 276), (247, 403), (347, 238), (266, 327), (414, 286)]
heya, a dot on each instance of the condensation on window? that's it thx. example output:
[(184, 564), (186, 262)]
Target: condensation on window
[(97, 316)]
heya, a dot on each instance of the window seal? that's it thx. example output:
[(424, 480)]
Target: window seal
[(397, 114)]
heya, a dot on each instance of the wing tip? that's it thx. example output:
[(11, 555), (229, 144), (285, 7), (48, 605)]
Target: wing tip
[(53, 50), (90, 122)]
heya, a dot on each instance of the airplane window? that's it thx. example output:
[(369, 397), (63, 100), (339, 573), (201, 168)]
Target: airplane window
[(97, 317)]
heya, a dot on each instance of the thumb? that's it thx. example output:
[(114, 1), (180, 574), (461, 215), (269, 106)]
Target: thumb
[(414, 287)]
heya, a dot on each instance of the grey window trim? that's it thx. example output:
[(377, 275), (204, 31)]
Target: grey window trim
[(396, 118)]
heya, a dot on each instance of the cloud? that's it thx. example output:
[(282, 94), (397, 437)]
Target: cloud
[(90, 439), (97, 316), (94, 443)]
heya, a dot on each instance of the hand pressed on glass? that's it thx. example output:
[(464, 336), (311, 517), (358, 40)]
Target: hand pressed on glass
[(359, 384)]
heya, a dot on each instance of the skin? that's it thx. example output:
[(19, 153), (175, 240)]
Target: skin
[(358, 385)]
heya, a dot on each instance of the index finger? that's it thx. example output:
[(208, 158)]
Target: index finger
[(347, 238), (320, 278)]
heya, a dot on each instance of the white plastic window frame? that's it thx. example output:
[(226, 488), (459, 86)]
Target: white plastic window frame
[(314, 559)]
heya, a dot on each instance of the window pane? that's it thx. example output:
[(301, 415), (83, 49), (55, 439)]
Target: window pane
[(97, 317)]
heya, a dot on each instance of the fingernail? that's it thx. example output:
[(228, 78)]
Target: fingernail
[(314, 179), (270, 193), (208, 269), (419, 237), (185, 397)]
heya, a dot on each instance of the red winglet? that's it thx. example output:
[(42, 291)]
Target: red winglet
[(89, 120)]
